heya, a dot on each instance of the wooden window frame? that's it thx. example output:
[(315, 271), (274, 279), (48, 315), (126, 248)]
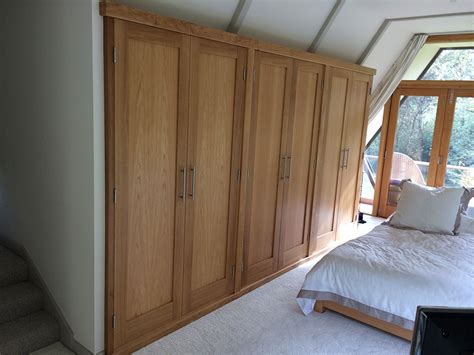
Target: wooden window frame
[(441, 137)]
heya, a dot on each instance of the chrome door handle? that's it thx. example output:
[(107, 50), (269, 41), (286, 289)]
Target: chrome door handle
[(347, 158), (283, 168), (183, 183), (193, 181), (288, 159), (343, 158)]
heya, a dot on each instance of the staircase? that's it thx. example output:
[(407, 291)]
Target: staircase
[(24, 325)]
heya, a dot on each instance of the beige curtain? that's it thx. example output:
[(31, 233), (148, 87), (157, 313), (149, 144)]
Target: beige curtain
[(393, 77)]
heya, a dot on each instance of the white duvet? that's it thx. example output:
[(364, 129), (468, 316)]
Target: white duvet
[(389, 272)]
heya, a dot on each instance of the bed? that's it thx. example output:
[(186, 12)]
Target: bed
[(382, 277)]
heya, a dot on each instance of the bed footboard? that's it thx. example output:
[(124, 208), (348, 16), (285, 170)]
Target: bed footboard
[(321, 306)]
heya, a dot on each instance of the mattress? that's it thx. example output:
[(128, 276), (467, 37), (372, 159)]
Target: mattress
[(388, 272)]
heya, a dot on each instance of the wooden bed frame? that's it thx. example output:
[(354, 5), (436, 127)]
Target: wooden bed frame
[(391, 328)]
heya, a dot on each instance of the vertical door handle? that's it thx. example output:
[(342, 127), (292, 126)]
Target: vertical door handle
[(283, 168), (347, 158), (183, 183), (193, 181), (288, 173), (343, 158)]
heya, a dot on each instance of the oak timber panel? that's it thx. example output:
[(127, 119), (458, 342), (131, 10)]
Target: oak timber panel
[(270, 112), (118, 11), (324, 215), (354, 140), (214, 145), (151, 90), (302, 141)]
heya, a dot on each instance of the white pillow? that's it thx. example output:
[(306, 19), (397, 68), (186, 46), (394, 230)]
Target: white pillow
[(467, 225), (428, 209)]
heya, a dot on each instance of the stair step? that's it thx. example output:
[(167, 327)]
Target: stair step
[(19, 300), (13, 269), (53, 349), (27, 334)]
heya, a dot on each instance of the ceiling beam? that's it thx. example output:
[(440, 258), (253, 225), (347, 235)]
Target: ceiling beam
[(387, 22), (238, 16), (325, 27), (375, 39)]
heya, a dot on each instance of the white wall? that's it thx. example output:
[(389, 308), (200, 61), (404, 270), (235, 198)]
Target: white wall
[(51, 151)]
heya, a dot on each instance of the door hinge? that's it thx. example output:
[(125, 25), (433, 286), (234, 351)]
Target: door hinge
[(440, 159), (245, 73), (385, 154), (238, 175), (233, 271), (114, 195), (451, 96), (114, 321), (115, 54)]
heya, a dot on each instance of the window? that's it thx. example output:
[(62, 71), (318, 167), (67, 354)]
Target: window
[(431, 137), (450, 64)]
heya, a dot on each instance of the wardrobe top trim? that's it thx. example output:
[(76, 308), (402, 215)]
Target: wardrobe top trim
[(123, 12)]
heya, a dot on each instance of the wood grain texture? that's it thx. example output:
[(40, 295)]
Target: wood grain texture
[(302, 137), (244, 184), (355, 127), (381, 157), (391, 328), (169, 259), (151, 89), (213, 157), (326, 191), (109, 105), (123, 12), (455, 37), (446, 131), (385, 209), (270, 115), (148, 337), (436, 84), (214, 150)]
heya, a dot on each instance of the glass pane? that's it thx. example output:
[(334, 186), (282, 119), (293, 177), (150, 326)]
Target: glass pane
[(460, 168), (413, 141), (371, 158), (451, 64)]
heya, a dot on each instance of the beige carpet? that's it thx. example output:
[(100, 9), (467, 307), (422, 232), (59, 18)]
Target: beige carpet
[(268, 321)]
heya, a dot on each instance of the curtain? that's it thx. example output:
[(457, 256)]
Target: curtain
[(393, 77)]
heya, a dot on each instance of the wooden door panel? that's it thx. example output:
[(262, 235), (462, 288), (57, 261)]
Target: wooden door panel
[(270, 112), (324, 215), (302, 142), (151, 90), (354, 142), (216, 114)]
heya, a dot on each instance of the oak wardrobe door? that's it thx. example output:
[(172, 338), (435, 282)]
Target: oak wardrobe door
[(329, 161), (300, 160), (270, 107), (355, 126), (151, 119), (214, 149)]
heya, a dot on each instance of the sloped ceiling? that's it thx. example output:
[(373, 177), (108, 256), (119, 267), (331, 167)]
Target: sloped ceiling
[(368, 32)]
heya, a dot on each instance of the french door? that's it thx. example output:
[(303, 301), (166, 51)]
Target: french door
[(421, 140)]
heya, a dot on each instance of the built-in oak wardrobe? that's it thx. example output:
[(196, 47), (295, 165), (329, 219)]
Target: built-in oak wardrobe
[(229, 161)]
